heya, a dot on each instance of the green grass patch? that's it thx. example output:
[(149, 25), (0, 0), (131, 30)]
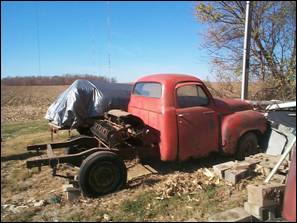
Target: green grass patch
[(17, 136), (145, 207), (12, 130), (73, 217), (210, 191), (141, 208), (199, 205)]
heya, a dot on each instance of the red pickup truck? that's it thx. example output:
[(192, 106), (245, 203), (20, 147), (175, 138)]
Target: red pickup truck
[(173, 115), (192, 123)]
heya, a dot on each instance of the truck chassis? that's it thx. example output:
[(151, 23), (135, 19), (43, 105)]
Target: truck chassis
[(93, 180), (99, 157), (53, 160)]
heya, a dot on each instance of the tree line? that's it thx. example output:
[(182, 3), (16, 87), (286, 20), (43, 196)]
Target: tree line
[(66, 79)]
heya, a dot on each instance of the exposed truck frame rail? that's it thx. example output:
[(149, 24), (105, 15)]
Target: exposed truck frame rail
[(74, 159), (92, 178)]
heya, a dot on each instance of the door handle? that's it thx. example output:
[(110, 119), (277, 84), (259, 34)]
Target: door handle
[(183, 114), (208, 113)]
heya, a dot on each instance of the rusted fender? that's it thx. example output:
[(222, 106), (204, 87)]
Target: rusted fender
[(236, 125)]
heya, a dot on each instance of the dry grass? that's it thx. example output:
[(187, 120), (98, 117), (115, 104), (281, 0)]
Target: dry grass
[(233, 90)]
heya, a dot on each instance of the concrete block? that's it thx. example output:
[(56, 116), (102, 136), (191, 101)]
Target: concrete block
[(233, 215), (233, 176), (220, 169), (247, 164), (252, 209), (241, 165), (263, 157), (252, 162), (263, 213), (266, 195), (279, 178), (72, 193)]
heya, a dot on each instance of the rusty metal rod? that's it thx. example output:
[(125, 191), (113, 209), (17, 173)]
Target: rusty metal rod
[(273, 171)]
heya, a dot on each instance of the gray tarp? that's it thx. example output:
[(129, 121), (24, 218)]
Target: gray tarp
[(84, 101)]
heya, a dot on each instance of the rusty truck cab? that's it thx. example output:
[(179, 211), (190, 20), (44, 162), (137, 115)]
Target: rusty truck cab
[(179, 127)]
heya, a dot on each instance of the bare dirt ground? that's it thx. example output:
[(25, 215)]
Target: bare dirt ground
[(179, 192)]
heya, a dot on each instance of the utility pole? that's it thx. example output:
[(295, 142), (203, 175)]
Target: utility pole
[(246, 52)]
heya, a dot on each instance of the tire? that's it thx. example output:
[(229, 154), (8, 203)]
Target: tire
[(102, 173), (248, 145)]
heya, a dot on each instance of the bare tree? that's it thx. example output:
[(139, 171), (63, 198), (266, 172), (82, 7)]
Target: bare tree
[(273, 41)]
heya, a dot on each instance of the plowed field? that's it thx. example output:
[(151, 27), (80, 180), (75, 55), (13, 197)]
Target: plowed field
[(22, 103)]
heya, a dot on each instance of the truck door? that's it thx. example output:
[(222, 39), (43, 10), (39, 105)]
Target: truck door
[(198, 125)]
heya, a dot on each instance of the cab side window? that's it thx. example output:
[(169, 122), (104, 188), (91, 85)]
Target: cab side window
[(148, 89), (191, 96)]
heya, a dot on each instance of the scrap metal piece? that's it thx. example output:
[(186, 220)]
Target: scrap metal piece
[(280, 161)]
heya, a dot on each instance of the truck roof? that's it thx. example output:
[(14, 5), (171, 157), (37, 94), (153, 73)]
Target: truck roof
[(168, 78)]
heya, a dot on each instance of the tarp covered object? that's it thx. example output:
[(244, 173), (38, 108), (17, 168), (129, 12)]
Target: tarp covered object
[(84, 101)]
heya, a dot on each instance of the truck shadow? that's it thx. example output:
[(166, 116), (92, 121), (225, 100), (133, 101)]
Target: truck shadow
[(20, 156), (165, 168), (188, 166)]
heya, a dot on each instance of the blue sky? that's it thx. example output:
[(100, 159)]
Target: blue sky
[(146, 37)]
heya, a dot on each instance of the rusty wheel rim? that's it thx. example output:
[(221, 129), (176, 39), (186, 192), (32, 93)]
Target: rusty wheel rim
[(103, 176)]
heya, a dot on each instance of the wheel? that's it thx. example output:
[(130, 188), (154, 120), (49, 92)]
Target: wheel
[(102, 173), (248, 145)]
